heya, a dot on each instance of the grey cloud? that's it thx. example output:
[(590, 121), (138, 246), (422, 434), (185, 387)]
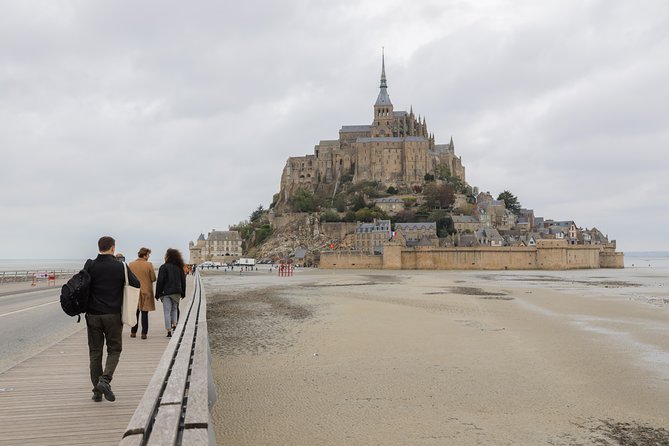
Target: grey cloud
[(195, 108)]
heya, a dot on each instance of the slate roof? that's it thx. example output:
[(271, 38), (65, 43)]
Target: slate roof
[(355, 128), (389, 200), (378, 226), (225, 235), (393, 139), (419, 226), (464, 219)]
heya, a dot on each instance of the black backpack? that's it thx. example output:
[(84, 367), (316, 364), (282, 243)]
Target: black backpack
[(74, 294)]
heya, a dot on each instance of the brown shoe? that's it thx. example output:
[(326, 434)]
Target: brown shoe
[(133, 335), (143, 336)]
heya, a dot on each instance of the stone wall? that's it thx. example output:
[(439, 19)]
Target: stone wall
[(469, 258), (349, 260), (338, 230), (551, 255), (610, 259)]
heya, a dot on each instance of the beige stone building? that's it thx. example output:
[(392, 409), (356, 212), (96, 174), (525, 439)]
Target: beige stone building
[(219, 246), (396, 149), (390, 205), (370, 237), (413, 233)]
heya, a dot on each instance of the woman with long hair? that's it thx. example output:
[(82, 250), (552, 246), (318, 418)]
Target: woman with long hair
[(171, 287)]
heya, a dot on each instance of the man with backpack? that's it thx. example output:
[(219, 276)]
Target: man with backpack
[(103, 315)]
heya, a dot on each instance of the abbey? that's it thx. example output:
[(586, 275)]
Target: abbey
[(396, 150)]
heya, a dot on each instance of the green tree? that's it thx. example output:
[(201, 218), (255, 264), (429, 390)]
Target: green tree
[(257, 214), (510, 201), (358, 202), (438, 195), (303, 200), (428, 177), (391, 190), (445, 226), (443, 172), (262, 234), (349, 217), (330, 216), (339, 203), (404, 216)]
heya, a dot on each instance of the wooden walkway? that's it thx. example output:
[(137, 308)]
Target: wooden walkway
[(46, 400)]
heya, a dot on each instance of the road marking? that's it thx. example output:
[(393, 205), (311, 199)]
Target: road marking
[(28, 308)]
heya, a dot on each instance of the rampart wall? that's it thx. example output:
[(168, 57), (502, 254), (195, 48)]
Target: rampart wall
[(350, 260), (610, 259), (546, 256)]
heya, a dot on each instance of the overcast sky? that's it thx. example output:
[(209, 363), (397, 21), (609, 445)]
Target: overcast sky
[(154, 121)]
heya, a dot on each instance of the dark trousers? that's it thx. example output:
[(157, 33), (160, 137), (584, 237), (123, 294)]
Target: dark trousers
[(101, 328), (145, 322)]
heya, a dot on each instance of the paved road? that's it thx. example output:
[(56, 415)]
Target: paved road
[(30, 322)]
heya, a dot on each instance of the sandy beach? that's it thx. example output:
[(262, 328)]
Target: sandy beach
[(441, 357)]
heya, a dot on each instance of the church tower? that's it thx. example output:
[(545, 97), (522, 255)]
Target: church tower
[(383, 108)]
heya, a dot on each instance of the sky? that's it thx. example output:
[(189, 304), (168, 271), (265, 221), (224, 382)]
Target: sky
[(155, 121)]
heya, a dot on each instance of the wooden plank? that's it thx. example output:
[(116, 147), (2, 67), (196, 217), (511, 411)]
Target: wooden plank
[(166, 426), (176, 384), (195, 437), (197, 410), (47, 397), (144, 411), (132, 440)]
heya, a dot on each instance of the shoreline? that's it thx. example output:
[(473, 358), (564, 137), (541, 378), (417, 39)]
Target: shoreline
[(439, 357)]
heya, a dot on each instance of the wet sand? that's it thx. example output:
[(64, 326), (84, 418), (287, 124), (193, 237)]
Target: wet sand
[(440, 357)]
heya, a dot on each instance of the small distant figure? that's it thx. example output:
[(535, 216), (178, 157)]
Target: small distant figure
[(146, 274), (120, 257), (171, 287)]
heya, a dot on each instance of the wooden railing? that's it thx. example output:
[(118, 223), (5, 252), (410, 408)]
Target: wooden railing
[(175, 407)]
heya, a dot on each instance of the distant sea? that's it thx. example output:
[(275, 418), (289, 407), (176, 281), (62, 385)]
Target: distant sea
[(21, 265), (652, 259)]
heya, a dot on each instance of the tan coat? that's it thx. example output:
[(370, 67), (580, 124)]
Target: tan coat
[(144, 271)]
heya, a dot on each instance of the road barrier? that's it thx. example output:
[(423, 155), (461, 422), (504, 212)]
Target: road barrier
[(34, 276), (175, 407)]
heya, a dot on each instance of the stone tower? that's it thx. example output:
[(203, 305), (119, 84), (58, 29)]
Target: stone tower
[(383, 108)]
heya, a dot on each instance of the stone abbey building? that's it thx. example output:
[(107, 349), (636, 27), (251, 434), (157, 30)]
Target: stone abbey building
[(396, 149)]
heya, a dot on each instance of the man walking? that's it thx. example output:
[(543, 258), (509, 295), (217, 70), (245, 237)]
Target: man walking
[(103, 315)]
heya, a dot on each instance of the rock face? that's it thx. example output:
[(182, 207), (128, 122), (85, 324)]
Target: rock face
[(305, 230)]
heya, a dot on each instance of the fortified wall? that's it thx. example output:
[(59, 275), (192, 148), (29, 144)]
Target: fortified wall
[(547, 255)]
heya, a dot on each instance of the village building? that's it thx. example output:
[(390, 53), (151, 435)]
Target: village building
[(420, 233), (370, 237), (466, 223), (389, 205), (218, 246)]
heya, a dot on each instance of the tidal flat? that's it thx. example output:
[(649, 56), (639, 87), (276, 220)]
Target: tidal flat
[(440, 357)]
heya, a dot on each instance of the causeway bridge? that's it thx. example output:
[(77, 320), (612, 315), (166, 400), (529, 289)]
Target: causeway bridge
[(163, 386)]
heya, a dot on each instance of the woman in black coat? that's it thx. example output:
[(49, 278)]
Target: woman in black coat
[(171, 287)]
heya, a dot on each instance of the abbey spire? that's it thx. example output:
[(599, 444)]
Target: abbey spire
[(383, 99), (383, 108)]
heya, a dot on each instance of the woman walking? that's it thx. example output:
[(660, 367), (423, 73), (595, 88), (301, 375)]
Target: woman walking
[(144, 271), (171, 287)]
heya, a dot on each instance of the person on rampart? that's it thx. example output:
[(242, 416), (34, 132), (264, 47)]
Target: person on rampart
[(103, 315), (146, 274), (171, 287)]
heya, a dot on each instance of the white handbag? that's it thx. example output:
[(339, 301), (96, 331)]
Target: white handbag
[(130, 301)]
